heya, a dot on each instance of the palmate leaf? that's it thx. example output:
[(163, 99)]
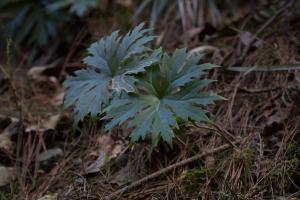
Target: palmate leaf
[(111, 62), (167, 91), (88, 90)]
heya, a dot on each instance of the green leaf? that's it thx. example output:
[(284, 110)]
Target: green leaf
[(111, 62), (87, 91), (123, 82), (166, 92)]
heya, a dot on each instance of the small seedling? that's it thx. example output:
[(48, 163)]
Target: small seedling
[(127, 82)]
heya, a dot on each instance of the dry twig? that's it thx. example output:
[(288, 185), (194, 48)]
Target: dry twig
[(167, 169)]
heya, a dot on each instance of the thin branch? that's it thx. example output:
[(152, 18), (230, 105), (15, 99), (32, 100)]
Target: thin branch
[(259, 90), (228, 137), (18, 103), (275, 68), (166, 170)]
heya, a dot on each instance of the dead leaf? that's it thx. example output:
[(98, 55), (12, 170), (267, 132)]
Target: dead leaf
[(47, 124), (44, 72), (108, 149), (7, 175), (52, 121), (118, 148), (104, 141), (36, 73), (49, 197), (97, 164), (202, 50), (46, 84)]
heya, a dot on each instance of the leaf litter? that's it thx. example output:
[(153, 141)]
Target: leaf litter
[(261, 113)]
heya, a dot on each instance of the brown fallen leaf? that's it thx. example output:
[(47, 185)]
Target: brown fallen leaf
[(36, 73), (46, 83), (206, 49), (52, 121), (97, 164), (44, 72), (47, 124), (108, 149)]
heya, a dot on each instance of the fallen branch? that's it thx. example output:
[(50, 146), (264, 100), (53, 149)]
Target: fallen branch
[(288, 67), (167, 169)]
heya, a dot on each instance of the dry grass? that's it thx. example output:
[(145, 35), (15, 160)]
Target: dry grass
[(259, 122)]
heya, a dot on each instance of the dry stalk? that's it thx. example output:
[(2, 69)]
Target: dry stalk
[(18, 103), (167, 169)]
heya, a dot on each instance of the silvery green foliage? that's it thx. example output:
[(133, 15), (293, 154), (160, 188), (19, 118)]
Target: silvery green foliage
[(127, 83), (166, 92), (111, 63)]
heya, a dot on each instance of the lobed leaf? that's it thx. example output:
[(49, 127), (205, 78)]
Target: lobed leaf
[(87, 92), (149, 91), (90, 90), (167, 91)]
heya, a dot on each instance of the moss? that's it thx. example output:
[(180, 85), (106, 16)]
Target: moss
[(195, 179), (247, 158)]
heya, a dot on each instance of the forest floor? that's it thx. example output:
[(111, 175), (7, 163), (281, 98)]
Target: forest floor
[(251, 152)]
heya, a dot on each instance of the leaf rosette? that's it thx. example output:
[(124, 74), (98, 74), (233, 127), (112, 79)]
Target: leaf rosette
[(111, 63), (168, 91)]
